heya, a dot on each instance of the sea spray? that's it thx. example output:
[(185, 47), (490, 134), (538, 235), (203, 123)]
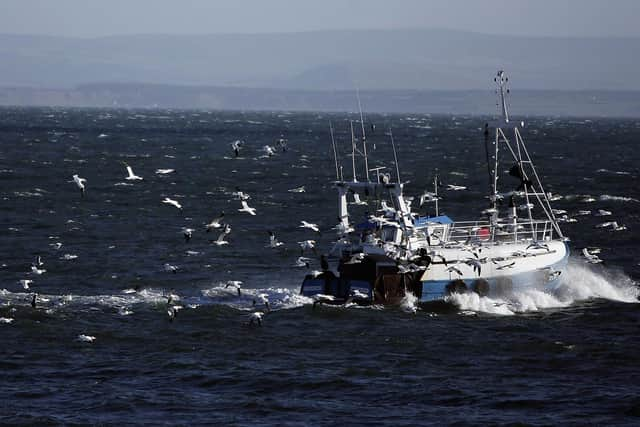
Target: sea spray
[(578, 282)]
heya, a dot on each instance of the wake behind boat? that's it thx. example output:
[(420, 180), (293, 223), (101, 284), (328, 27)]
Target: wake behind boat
[(397, 252)]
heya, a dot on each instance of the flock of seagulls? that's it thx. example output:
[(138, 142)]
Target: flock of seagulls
[(217, 223)]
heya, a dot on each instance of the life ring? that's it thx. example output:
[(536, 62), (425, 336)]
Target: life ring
[(456, 287), (504, 286), (481, 287)]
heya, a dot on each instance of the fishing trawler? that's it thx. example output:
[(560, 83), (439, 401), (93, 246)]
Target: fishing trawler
[(397, 252)]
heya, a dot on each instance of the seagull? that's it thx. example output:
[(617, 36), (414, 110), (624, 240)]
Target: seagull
[(263, 299), (256, 317), (170, 268), (171, 312), (236, 284), (246, 208), (6, 320), (537, 245), (269, 150), (172, 202), (297, 190), (388, 210), (475, 263), (307, 244), (187, 233), (310, 226), (273, 242), (357, 201), (164, 171), (56, 245), (602, 212), (86, 338), (130, 175), (591, 257), (454, 269), (37, 270), (428, 196), (25, 283), (455, 187), (216, 222), (80, 183), (343, 229), (220, 240), (236, 145), (302, 262), (503, 266), (240, 195), (322, 299), (356, 258)]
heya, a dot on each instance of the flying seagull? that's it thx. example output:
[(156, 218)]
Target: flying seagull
[(273, 242), (80, 183), (172, 202), (220, 240), (216, 222), (246, 208), (130, 175), (310, 226)]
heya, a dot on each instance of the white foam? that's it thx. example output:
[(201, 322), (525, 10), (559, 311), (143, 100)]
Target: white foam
[(578, 283)]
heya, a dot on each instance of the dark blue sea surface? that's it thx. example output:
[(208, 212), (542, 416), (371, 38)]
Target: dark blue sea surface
[(567, 357)]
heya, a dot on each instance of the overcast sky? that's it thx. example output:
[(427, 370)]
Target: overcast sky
[(90, 18)]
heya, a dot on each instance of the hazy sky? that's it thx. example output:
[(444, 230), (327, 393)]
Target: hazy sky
[(89, 18)]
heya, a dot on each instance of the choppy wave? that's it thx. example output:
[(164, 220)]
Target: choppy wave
[(579, 283)]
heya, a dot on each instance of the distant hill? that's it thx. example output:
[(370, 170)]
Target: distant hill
[(324, 60), (479, 102)]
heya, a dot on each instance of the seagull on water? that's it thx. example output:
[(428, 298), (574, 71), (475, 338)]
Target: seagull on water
[(170, 268), (172, 202), (130, 175), (246, 208), (235, 284), (25, 283), (216, 222), (310, 226), (86, 338), (602, 212), (80, 183), (269, 151), (187, 233), (273, 242)]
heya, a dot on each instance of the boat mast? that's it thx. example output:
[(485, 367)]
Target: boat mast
[(353, 153), (335, 153), (435, 191), (364, 137)]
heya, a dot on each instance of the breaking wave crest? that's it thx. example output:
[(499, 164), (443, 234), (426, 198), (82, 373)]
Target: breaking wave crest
[(578, 283)]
